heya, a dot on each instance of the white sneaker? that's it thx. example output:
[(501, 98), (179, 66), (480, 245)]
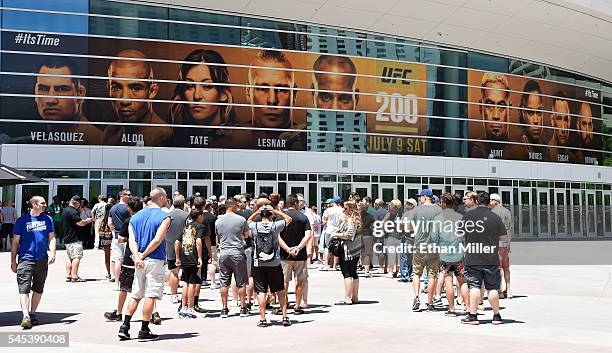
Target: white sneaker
[(192, 314), (174, 299), (325, 268)]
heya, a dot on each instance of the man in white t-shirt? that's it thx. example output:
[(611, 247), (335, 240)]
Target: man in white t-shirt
[(332, 217)]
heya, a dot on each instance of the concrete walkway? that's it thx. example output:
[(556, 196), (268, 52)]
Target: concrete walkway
[(556, 309)]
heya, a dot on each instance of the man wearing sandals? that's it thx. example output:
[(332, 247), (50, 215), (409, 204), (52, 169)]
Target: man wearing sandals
[(267, 269), (33, 235), (71, 219)]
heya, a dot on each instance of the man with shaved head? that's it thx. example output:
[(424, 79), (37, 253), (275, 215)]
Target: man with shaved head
[(560, 121), (147, 232), (344, 95), (584, 125), (271, 91), (132, 89)]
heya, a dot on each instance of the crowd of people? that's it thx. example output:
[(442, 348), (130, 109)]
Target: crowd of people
[(253, 247)]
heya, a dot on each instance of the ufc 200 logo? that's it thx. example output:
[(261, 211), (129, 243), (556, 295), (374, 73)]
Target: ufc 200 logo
[(397, 108)]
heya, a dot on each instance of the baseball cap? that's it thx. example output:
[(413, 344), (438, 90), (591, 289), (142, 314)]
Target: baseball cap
[(425, 192), (76, 198), (213, 198), (436, 199), (329, 201), (412, 201), (495, 197), (337, 199)]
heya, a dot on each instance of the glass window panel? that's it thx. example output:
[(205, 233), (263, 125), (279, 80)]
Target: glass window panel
[(327, 177), (339, 41), (344, 178), (140, 188), (283, 38), (298, 177), (264, 176), (233, 176), (387, 179), (385, 47), (200, 32), (38, 21), (95, 174), (128, 28), (199, 175), (487, 62), (140, 175), (164, 175), (182, 175), (60, 174), (115, 174)]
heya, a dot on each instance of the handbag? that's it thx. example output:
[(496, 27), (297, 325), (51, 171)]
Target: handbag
[(105, 233), (336, 247)]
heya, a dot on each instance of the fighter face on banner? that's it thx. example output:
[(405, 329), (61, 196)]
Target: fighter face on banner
[(335, 79), (494, 111), (584, 125), (271, 89), (532, 119), (560, 121), (130, 85), (208, 104), (51, 107)]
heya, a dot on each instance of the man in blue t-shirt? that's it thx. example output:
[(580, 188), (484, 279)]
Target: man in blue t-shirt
[(147, 232), (33, 235)]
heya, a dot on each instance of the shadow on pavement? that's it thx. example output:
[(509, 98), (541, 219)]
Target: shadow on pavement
[(175, 336), (367, 302), (506, 322), (13, 318)]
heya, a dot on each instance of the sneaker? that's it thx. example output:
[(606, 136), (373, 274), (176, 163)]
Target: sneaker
[(403, 280), (286, 321), (470, 319), (368, 275), (430, 307), (437, 301), (146, 335), (113, 316), (26, 323), (225, 313), (450, 313), (183, 314), (174, 299), (180, 308), (156, 319), (325, 268), (262, 323), (243, 312), (33, 320), (424, 289), (481, 306), (191, 314), (205, 284), (199, 309), (497, 320), (416, 304), (248, 307), (124, 332)]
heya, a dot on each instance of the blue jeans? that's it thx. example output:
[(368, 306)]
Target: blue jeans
[(405, 262)]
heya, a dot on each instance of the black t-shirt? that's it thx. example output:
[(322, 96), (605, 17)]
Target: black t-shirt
[(482, 231), (188, 248), (210, 218), (293, 234), (125, 233), (367, 220), (70, 218)]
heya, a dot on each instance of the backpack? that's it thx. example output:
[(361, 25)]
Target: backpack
[(264, 246)]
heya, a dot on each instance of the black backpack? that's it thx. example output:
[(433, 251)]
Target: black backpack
[(264, 246)]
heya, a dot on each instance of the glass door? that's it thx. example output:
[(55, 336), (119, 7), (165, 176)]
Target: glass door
[(168, 185), (298, 188), (590, 214), (65, 189), (233, 188), (560, 210), (267, 187), (112, 188), (525, 220), (202, 187), (576, 214), (326, 191), (543, 214), (606, 214), (362, 189), (25, 192), (387, 192)]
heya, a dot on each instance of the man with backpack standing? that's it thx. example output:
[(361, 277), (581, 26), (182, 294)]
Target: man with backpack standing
[(267, 269)]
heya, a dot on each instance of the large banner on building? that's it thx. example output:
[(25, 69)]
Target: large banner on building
[(147, 93), (552, 122)]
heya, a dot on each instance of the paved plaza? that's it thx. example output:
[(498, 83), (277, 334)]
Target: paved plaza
[(556, 309)]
